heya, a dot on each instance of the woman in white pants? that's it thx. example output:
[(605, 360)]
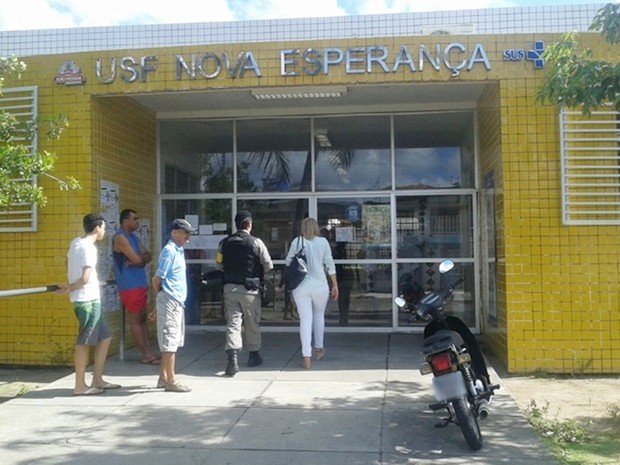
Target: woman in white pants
[(312, 293)]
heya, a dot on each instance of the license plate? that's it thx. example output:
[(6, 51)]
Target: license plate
[(449, 386)]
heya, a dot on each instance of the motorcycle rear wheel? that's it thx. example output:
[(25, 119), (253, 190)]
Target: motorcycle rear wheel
[(468, 423)]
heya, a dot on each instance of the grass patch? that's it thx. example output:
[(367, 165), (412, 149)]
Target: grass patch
[(22, 391), (574, 443)]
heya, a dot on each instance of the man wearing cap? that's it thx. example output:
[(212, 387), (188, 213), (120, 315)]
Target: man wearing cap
[(244, 260), (170, 283)]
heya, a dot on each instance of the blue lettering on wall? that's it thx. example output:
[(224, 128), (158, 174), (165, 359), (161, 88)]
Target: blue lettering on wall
[(534, 55)]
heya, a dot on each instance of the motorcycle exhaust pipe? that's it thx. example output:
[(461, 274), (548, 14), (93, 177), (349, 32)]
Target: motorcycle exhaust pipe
[(483, 409)]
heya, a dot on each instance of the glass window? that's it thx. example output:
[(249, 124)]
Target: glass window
[(276, 222), (365, 297), (352, 153), (273, 155), (270, 171), (434, 226), (213, 213), (428, 168), (414, 279), (433, 151), (360, 226), (203, 283), (196, 156)]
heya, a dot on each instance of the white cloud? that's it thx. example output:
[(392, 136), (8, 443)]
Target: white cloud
[(112, 12), (18, 14), (366, 7), (275, 9)]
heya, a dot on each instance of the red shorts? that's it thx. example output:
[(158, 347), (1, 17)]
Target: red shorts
[(134, 300)]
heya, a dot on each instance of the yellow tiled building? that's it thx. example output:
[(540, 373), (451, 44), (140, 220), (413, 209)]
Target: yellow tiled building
[(449, 156)]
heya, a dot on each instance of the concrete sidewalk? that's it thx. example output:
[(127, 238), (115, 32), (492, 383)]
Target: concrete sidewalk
[(364, 403)]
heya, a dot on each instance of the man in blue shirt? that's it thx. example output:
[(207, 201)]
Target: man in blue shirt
[(171, 285), (130, 258)]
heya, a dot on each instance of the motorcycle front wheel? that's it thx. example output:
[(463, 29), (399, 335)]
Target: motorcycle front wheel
[(468, 423)]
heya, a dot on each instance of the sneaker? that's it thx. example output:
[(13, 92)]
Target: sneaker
[(177, 387), (161, 383)]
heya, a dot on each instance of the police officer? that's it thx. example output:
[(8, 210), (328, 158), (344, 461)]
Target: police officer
[(244, 260)]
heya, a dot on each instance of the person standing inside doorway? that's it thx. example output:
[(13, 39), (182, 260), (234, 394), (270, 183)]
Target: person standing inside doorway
[(84, 294), (244, 260), (130, 259), (170, 283)]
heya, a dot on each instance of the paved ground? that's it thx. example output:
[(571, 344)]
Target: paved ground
[(365, 403)]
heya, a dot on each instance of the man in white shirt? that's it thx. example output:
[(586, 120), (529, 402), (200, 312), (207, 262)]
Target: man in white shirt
[(84, 293)]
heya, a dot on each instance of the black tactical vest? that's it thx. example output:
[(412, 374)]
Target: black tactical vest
[(240, 260)]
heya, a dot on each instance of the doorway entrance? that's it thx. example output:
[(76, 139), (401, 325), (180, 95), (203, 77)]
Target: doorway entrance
[(394, 194)]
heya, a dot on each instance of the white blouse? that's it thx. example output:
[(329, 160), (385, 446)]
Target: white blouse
[(318, 257)]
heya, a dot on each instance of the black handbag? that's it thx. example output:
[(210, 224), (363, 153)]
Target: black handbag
[(297, 270)]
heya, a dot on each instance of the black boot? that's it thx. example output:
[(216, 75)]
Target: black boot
[(232, 368), (255, 359)]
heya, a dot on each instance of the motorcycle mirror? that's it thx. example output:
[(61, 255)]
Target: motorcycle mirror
[(400, 302), (446, 266)]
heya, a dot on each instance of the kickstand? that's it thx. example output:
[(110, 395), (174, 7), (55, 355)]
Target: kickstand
[(445, 421)]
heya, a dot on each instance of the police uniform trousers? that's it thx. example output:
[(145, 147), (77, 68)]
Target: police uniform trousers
[(242, 309)]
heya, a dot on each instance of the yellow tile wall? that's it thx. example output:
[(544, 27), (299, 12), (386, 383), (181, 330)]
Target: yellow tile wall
[(561, 282), (111, 139), (557, 285), (124, 149), (494, 332)]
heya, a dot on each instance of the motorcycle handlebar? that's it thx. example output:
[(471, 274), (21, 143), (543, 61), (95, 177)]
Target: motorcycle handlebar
[(447, 292)]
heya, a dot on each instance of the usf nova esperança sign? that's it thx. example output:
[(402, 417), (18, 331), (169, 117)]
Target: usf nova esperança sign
[(455, 57)]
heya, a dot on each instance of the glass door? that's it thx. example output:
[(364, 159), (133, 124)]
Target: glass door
[(430, 229), (359, 231), (276, 221), (393, 194)]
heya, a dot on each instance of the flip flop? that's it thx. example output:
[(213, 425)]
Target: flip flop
[(154, 361), (89, 392), (107, 385)]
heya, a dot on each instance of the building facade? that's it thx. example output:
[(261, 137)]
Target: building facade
[(411, 138)]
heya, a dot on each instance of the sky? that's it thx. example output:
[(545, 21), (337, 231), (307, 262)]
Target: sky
[(52, 14)]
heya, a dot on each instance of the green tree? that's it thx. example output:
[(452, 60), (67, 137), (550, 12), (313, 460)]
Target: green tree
[(18, 164), (575, 78)]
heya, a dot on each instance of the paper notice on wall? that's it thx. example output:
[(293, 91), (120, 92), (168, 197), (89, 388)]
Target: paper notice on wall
[(109, 200), (376, 220), (109, 195), (345, 234)]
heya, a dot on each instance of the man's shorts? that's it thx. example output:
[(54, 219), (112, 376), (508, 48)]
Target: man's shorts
[(170, 323), (134, 300), (93, 328)]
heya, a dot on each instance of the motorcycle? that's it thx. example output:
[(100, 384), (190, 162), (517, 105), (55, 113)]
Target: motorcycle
[(411, 292), (461, 382)]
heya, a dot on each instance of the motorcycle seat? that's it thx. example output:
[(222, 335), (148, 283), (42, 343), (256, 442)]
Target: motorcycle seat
[(441, 340)]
